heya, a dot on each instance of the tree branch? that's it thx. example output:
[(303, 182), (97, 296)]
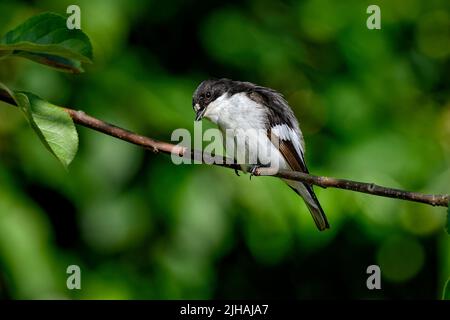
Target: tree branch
[(85, 120), (369, 188)]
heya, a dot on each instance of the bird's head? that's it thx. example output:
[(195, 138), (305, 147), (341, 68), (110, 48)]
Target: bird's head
[(206, 93)]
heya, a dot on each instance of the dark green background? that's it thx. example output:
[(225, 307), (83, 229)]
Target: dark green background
[(373, 105)]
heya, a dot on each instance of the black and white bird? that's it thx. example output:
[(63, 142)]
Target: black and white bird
[(235, 106)]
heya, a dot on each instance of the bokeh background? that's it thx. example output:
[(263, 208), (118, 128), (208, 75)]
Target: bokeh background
[(373, 105)]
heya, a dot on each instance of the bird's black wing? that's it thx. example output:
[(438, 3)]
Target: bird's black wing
[(283, 129), (285, 134)]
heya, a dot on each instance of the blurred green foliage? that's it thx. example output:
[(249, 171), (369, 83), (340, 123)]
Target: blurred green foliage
[(373, 105)]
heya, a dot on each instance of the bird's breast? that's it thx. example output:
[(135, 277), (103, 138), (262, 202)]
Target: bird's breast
[(236, 112)]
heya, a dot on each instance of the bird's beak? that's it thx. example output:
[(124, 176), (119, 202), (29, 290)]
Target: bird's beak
[(199, 112)]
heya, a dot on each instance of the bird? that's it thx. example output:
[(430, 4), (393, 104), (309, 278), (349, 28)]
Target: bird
[(239, 107)]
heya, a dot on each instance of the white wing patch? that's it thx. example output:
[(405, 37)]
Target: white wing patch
[(284, 132)]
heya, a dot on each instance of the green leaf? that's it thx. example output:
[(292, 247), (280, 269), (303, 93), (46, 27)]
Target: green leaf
[(52, 124), (46, 39), (446, 293), (62, 64)]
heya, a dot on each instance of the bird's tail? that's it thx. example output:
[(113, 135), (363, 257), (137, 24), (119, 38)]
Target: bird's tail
[(307, 193)]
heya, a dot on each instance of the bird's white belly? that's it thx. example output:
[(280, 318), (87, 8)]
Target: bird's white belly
[(243, 124), (253, 148)]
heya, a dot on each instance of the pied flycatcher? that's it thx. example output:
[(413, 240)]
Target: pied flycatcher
[(236, 105)]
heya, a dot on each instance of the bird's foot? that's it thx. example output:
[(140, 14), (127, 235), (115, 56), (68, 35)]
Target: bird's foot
[(237, 172), (253, 169)]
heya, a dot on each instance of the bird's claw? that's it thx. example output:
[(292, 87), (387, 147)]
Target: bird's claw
[(252, 171), (236, 171)]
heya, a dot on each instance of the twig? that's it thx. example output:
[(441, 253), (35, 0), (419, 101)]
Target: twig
[(369, 188), (85, 120)]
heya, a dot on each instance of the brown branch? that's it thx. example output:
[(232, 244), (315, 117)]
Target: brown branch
[(85, 120), (369, 188), (156, 146)]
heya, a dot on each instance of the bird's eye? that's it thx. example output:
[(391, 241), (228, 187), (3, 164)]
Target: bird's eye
[(202, 96), (208, 94)]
